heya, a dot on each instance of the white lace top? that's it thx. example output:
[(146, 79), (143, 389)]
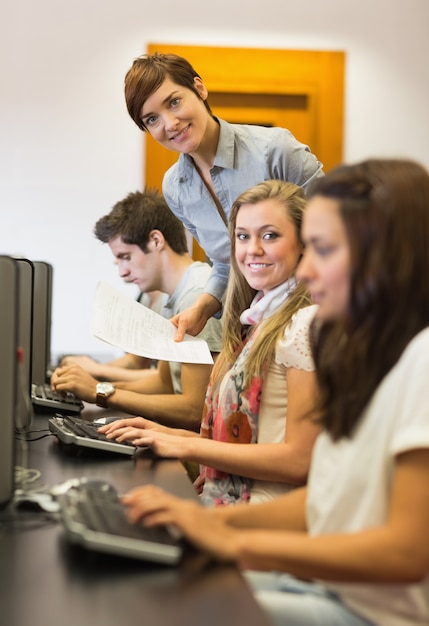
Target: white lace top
[(292, 351)]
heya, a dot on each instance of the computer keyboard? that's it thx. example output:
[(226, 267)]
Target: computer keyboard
[(84, 428), (93, 516), (43, 396), (81, 436)]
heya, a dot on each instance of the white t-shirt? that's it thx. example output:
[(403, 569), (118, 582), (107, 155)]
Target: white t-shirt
[(350, 481), (191, 286)]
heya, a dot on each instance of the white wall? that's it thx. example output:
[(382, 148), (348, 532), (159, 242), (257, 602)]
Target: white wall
[(69, 151)]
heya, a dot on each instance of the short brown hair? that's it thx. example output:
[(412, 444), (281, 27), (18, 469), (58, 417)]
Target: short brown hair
[(147, 74), (136, 216)]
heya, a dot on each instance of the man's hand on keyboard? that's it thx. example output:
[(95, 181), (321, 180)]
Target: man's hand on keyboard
[(75, 379)]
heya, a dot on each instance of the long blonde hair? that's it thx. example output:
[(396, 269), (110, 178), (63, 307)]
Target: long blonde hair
[(239, 294)]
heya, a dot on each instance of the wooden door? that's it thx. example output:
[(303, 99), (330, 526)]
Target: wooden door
[(302, 90)]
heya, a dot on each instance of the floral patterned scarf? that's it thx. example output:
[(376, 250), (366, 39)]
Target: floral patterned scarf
[(231, 414)]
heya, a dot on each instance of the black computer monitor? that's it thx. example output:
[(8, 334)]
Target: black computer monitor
[(25, 334), (25, 317), (42, 310), (9, 314)]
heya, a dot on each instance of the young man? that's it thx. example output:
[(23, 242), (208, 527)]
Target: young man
[(150, 248)]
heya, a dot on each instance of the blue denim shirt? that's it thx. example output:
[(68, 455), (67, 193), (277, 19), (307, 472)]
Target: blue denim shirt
[(246, 155)]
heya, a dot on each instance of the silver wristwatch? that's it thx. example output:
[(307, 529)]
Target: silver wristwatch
[(103, 391)]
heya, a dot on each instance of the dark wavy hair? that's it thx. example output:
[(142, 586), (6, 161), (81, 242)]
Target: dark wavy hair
[(147, 74), (384, 205)]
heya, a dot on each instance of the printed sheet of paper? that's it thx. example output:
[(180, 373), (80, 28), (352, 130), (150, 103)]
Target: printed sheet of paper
[(125, 323)]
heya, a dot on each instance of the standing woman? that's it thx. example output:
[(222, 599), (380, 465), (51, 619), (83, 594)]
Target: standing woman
[(263, 382), (356, 538), (166, 97)]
